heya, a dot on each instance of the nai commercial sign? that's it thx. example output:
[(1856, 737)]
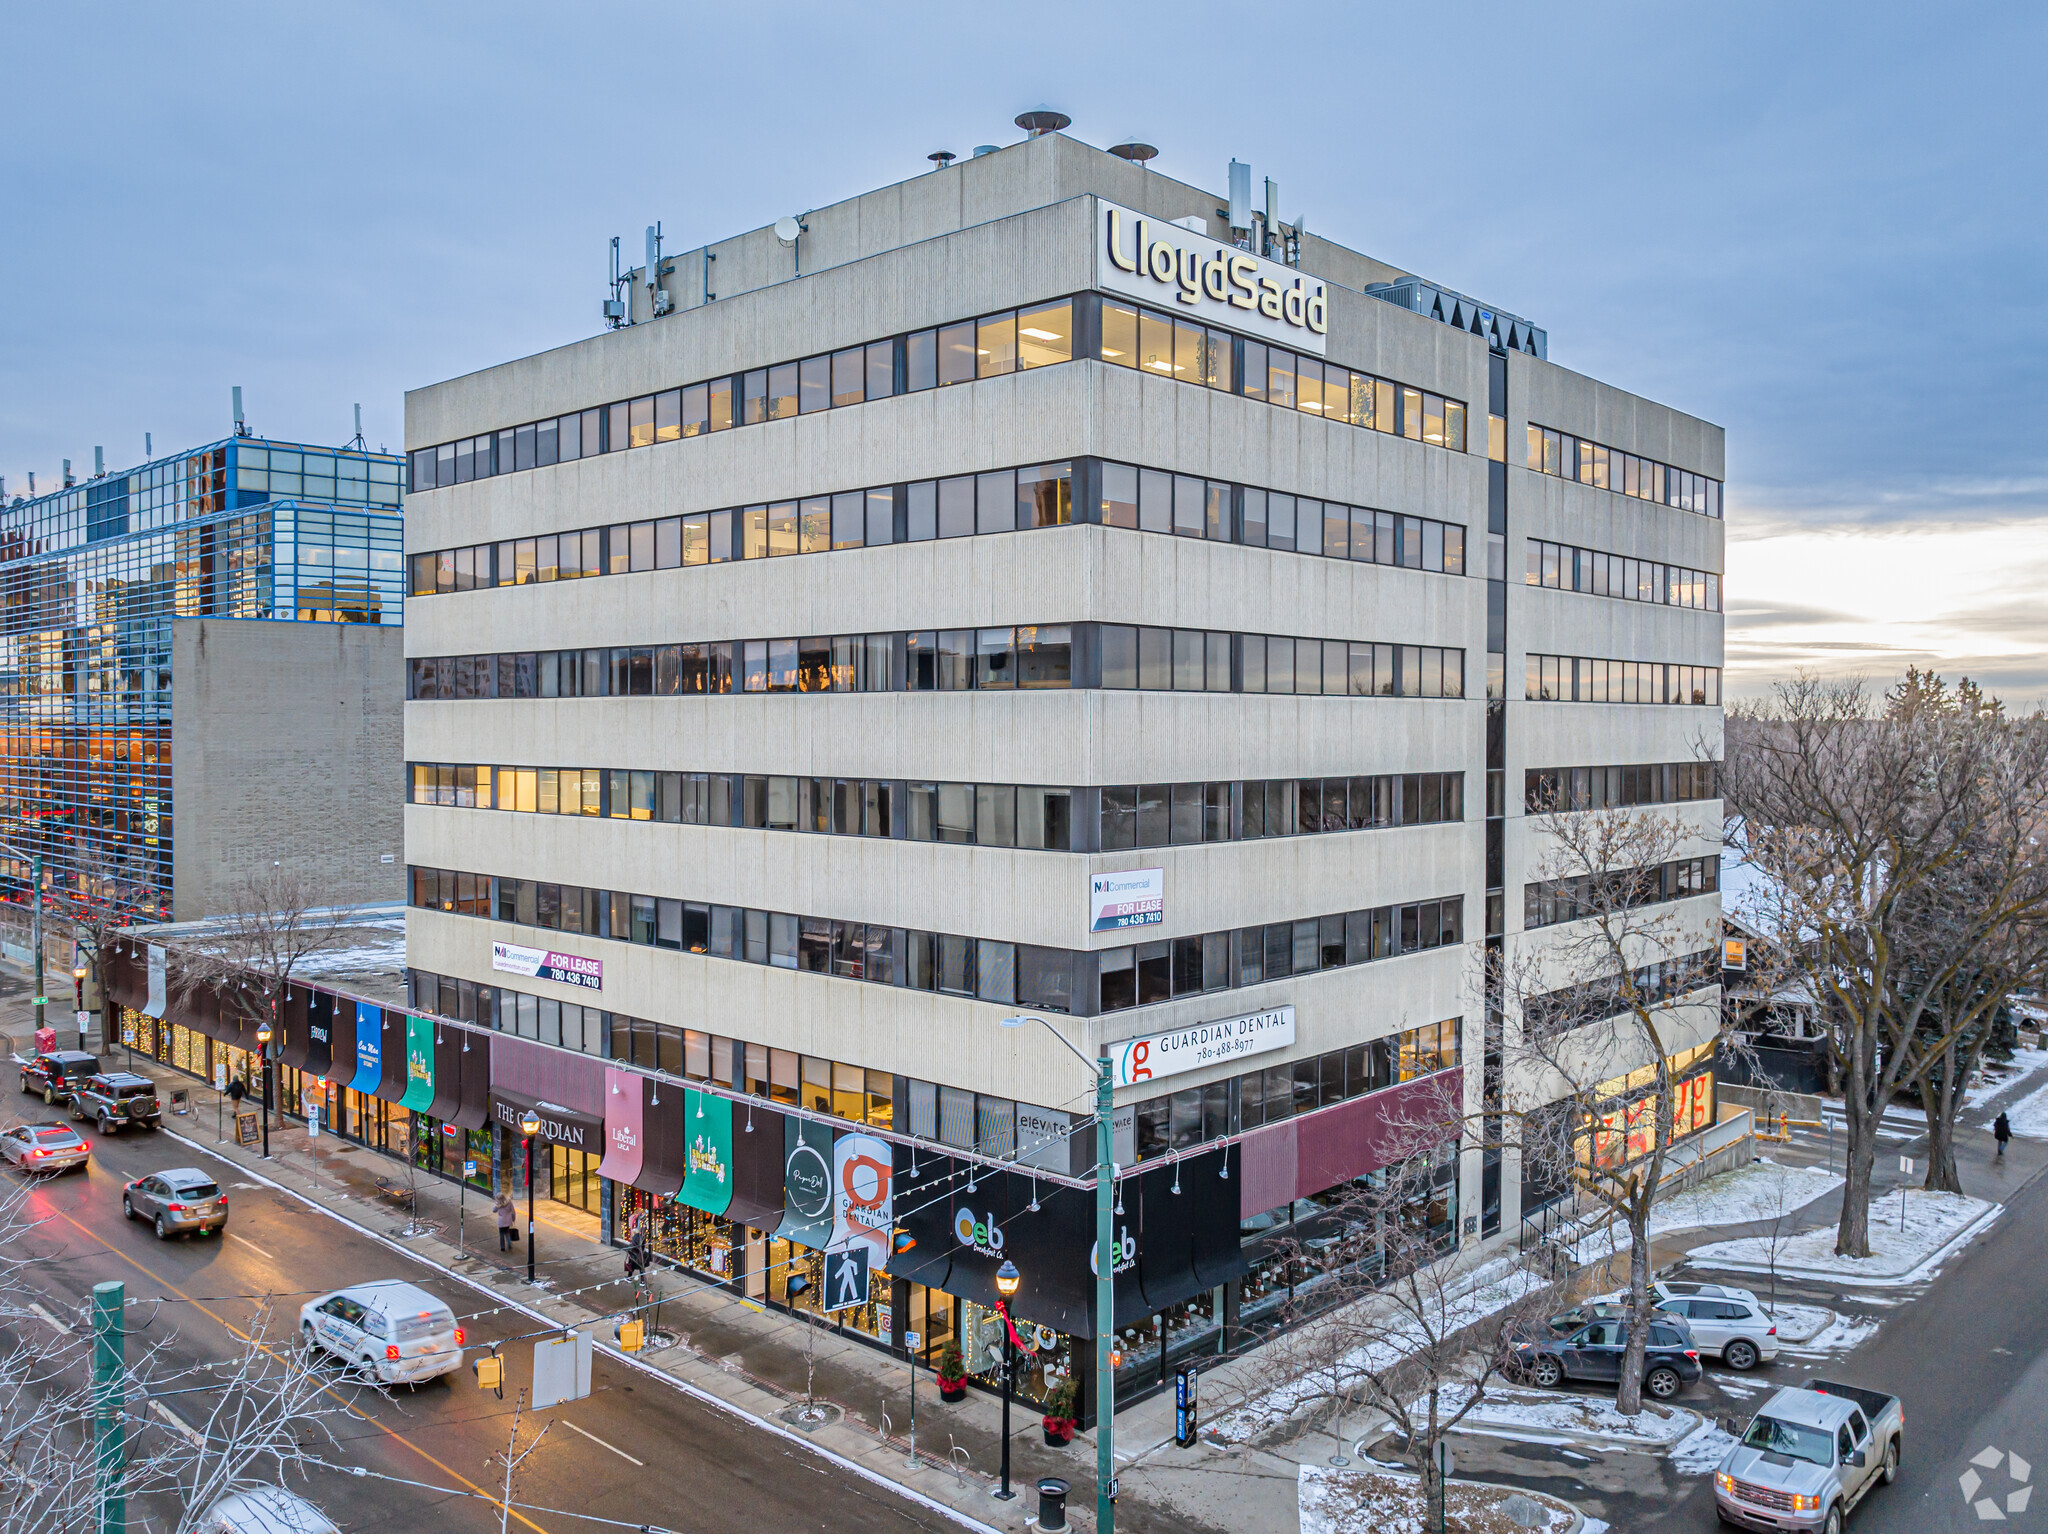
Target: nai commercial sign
[(1134, 898), (562, 968), (1156, 1056), (1157, 262)]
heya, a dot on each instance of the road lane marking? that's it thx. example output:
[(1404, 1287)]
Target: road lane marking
[(59, 1325), (622, 1454), (177, 1424), (252, 1246), (349, 1406)]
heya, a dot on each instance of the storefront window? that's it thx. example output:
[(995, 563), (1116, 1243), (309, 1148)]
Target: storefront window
[(1046, 1358)]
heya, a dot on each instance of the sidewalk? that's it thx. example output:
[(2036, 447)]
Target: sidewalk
[(752, 1360)]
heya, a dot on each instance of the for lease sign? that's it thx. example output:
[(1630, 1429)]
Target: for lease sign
[(563, 968), (1154, 1056), (1136, 898)]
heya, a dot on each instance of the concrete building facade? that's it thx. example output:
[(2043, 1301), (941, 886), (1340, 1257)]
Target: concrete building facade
[(1039, 588)]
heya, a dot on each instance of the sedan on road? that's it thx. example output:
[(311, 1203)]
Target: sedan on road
[(1595, 1352), (44, 1147), (175, 1202)]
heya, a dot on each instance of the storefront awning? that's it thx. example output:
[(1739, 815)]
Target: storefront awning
[(319, 1030), (806, 1183), (391, 1054), (757, 1139), (707, 1152), (924, 1212), (419, 1065), (554, 1075), (342, 1063), (290, 1046), (369, 1074), (623, 1126), (559, 1124), (449, 1064), (124, 975), (474, 1109), (664, 1151)]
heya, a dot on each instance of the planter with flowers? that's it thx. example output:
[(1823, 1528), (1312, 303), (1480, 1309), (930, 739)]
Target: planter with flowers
[(1060, 1411), (952, 1373)]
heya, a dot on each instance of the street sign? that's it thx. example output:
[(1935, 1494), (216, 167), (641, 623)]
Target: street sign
[(469, 1169), (312, 1121), (913, 1340), (846, 1278), (1442, 1455), (561, 1369), (1905, 1166)]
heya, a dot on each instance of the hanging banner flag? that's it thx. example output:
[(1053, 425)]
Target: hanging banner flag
[(154, 1007), (419, 1064), (806, 1183), (369, 1048), (863, 1206), (623, 1126), (707, 1121)]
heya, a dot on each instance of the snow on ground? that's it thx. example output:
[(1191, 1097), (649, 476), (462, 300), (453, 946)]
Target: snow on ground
[(1534, 1415), (1844, 1334), (1487, 1290), (1762, 1191), (1797, 1324), (2029, 1116), (1997, 1075), (1703, 1449), (1909, 1255), (1377, 1502)]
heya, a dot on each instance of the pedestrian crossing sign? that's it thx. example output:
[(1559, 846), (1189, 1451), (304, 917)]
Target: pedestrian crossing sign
[(846, 1277)]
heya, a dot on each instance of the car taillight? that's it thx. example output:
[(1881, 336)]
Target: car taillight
[(391, 1352), (460, 1334), (37, 1154), (1774, 1331), (175, 1208), (1695, 1357)]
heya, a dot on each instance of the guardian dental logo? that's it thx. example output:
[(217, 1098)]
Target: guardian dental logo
[(980, 1234), (1125, 1250)]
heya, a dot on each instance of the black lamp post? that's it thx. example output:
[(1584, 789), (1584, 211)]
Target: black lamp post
[(78, 1008), (1007, 1279), (529, 1126), (263, 1064)]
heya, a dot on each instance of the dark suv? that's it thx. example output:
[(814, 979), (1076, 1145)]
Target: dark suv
[(115, 1099), (1594, 1352), (57, 1075)]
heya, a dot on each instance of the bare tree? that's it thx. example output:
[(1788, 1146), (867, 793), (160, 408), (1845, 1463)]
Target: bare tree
[(1900, 877), (1770, 1206), (1384, 1318), (1608, 989)]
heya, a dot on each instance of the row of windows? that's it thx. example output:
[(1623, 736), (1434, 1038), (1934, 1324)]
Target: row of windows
[(1060, 655), (1561, 567), (1569, 457), (1174, 347), (1192, 1116), (969, 814), (987, 347), (1592, 1001), (1549, 901), (1083, 982), (1579, 679), (1553, 789), (1006, 500)]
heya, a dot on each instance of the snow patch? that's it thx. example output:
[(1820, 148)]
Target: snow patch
[(1564, 1416), (1762, 1191), (1999, 1075), (1703, 1449), (2029, 1116), (1934, 1224)]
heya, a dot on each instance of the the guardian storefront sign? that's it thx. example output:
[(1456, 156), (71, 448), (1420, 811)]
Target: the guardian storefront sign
[(1155, 1056), (1157, 262), (562, 968)]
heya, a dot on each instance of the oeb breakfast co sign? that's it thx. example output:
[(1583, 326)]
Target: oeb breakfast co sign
[(1135, 898), (1155, 1056)]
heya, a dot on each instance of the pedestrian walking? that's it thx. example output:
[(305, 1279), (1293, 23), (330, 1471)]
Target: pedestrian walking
[(2001, 1129), (508, 1220), (237, 1090)]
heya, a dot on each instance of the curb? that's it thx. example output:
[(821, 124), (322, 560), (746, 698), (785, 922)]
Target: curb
[(1486, 1429), (1926, 1268), (695, 1392)]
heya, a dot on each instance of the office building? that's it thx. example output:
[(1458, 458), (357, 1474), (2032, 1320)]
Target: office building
[(1040, 587), (200, 675)]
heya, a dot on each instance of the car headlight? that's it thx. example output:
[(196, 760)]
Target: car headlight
[(1723, 1481), (1802, 1503)]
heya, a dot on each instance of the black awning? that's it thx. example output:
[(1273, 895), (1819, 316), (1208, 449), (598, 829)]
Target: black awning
[(319, 1030), (342, 1063), (391, 1082), (922, 1196), (291, 1043), (664, 1138), (757, 1167), (559, 1125), (448, 1068), (1218, 1250), (1168, 1193), (474, 1111), (1050, 1246)]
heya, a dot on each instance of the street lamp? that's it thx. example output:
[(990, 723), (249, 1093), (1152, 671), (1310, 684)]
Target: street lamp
[(1006, 1285), (1105, 1276), (529, 1126), (78, 1002), (263, 1062)]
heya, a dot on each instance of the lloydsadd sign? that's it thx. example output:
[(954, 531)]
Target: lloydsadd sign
[(1157, 262), (1158, 1055), (562, 968), (1136, 898)]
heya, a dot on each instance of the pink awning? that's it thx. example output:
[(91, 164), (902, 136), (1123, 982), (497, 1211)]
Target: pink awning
[(624, 1129)]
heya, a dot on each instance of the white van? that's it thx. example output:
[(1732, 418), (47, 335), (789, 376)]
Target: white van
[(393, 1331)]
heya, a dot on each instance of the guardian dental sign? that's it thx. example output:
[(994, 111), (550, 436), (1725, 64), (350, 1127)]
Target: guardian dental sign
[(1156, 1056), (1160, 263)]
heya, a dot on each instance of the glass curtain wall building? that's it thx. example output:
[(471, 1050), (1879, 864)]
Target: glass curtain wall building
[(94, 576)]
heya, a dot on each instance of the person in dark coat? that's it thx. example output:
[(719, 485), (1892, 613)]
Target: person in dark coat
[(508, 1217), (2001, 1129)]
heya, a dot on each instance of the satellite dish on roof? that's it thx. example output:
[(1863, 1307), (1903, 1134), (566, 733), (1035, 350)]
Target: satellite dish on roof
[(787, 229)]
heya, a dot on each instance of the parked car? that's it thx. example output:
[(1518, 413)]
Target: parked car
[(1664, 1289), (395, 1332), (1810, 1456), (56, 1075), (1740, 1333), (1571, 1320), (183, 1199), (45, 1147), (1594, 1353), (265, 1510), (115, 1099)]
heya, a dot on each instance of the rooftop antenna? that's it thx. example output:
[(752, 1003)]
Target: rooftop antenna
[(99, 462), (69, 481), (31, 484), (1272, 215), (1240, 204), (148, 447), (789, 230), (1043, 121), (357, 441), (941, 158), (615, 306), (657, 295), (241, 427)]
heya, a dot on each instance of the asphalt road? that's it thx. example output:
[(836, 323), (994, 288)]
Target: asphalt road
[(636, 1450)]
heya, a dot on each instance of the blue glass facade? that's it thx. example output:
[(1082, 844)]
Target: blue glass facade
[(92, 578)]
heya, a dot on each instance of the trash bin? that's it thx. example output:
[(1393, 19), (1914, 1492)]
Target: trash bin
[(1052, 1505)]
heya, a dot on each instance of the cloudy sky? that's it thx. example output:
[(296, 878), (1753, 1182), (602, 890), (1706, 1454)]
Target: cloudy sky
[(1818, 225)]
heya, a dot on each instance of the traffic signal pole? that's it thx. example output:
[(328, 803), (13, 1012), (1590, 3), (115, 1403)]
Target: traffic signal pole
[(110, 1445)]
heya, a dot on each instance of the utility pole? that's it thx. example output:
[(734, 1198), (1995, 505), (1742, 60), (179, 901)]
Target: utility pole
[(110, 1449), (1105, 1297)]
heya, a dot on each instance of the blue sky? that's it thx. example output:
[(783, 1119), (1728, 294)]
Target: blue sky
[(1819, 226)]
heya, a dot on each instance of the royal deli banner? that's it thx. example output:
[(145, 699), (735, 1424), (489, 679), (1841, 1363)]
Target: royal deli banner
[(806, 1183)]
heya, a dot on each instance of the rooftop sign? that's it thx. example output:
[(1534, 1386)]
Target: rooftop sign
[(1161, 263)]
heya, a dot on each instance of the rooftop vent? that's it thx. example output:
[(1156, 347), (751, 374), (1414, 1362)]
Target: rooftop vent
[(941, 158), (1502, 331), (1042, 121), (1137, 151), (982, 149)]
